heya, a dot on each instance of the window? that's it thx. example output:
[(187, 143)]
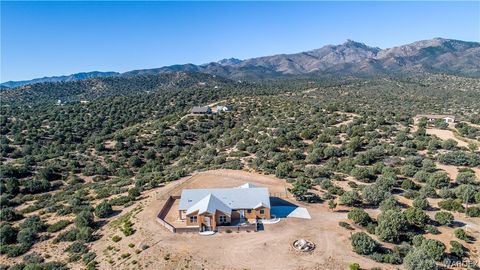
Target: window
[(262, 211), (193, 219), (249, 211), (222, 219)]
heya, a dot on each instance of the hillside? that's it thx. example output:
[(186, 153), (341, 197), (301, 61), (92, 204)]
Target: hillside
[(349, 59), (332, 61), (68, 78), (81, 182), (95, 88)]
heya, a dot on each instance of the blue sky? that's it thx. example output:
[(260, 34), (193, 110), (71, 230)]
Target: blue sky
[(60, 38)]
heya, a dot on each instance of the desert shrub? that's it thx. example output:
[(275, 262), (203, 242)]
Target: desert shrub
[(34, 223), (461, 234), (418, 259), (416, 216), (432, 229), (428, 191), (8, 234), (439, 180), (15, 250), (127, 228), (122, 200), (473, 211), (26, 236), (350, 198), (88, 257), (362, 243), (421, 202), (460, 158), (466, 177), (84, 219), (374, 194), (8, 214), (390, 226), (390, 203), (444, 218), (408, 184), (354, 266), (85, 235), (116, 238), (417, 240), (58, 226), (408, 170), (457, 249), (34, 186), (67, 236), (33, 258), (77, 247), (452, 205), (421, 176), (433, 248), (103, 209), (364, 174), (359, 216), (345, 225)]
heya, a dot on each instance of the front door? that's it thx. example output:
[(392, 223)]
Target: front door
[(242, 214), (208, 226)]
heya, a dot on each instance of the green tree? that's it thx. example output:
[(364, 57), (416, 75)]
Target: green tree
[(300, 188), (439, 180), (103, 209), (84, 219), (350, 198), (391, 224), (26, 237), (8, 234), (359, 216), (421, 202), (284, 170), (362, 243), (34, 223), (416, 216), (418, 259), (8, 214), (434, 248), (444, 218)]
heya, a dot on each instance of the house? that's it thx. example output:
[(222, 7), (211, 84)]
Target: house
[(201, 110), (226, 108), (209, 208), (433, 117)]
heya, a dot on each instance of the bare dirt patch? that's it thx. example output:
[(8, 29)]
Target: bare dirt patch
[(267, 249), (445, 134)]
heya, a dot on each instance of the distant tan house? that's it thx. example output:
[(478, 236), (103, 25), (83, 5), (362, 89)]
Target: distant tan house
[(201, 110), (209, 208), (433, 117)]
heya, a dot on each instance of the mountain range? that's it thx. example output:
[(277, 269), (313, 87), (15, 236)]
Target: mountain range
[(351, 58)]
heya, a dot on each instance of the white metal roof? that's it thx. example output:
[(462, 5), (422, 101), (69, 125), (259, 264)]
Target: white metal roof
[(234, 198), (209, 204), (247, 185)]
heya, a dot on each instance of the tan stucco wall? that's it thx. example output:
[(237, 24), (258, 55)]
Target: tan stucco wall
[(217, 217), (188, 219), (256, 214)]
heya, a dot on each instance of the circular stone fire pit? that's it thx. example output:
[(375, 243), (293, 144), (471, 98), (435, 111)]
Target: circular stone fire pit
[(303, 245)]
